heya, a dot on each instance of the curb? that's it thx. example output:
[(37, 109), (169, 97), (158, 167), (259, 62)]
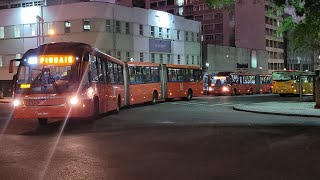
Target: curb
[(275, 113)]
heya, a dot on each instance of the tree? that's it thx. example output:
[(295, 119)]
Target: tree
[(301, 24)]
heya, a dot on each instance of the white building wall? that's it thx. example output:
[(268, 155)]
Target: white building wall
[(97, 13)]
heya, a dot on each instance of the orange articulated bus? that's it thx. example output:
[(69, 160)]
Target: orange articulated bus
[(228, 83), (64, 80), (144, 82), (182, 81), (61, 80)]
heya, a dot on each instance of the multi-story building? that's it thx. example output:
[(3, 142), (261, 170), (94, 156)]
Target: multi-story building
[(249, 24), (128, 33), (217, 24)]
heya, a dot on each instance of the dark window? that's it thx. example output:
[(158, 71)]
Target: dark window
[(154, 5), (170, 2), (162, 3), (110, 76), (99, 70), (141, 29), (127, 28), (108, 25)]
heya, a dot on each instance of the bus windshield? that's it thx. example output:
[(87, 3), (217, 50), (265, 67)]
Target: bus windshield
[(219, 80), (45, 79), (281, 76)]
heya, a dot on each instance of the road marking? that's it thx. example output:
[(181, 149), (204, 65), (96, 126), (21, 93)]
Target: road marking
[(185, 103), (166, 122)]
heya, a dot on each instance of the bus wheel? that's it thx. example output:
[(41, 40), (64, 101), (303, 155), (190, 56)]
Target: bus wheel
[(270, 91), (43, 121), (96, 108), (251, 91), (154, 97), (234, 92), (189, 95), (118, 105)]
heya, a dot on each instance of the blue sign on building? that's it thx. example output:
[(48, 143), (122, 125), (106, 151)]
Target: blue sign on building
[(160, 45)]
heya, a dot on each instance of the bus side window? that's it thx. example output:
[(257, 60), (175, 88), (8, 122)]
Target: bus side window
[(110, 73), (146, 74), (115, 73), (99, 69), (132, 74), (139, 75), (93, 68), (155, 74), (120, 74)]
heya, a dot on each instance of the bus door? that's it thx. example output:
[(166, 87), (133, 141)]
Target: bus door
[(164, 81)]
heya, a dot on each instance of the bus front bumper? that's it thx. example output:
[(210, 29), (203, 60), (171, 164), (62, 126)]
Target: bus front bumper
[(25, 112)]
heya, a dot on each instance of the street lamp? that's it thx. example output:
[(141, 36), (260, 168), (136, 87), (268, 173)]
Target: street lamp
[(207, 64)]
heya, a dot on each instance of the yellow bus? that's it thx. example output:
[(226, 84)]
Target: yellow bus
[(287, 82)]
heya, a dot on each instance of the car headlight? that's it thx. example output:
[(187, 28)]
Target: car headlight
[(74, 100), (210, 89), (16, 102)]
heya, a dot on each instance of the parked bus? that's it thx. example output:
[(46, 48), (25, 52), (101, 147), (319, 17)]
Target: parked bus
[(229, 83), (61, 80), (287, 82)]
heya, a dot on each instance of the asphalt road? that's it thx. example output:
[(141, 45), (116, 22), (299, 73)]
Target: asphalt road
[(201, 139)]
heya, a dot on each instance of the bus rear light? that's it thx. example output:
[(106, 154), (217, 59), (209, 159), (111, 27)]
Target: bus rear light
[(292, 86), (170, 94), (74, 100), (16, 102), (271, 87), (210, 89)]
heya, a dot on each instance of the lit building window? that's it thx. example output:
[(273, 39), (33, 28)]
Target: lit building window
[(117, 28), (33, 29), (187, 59), (161, 58), (1, 32), (18, 56), (141, 57), (67, 26), (141, 29), (17, 31), (152, 31), (180, 11), (160, 32), (86, 25), (51, 30), (127, 28), (127, 56), (152, 58), (108, 25), (118, 55), (1, 62)]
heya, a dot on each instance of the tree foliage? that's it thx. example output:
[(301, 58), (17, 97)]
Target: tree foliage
[(303, 35)]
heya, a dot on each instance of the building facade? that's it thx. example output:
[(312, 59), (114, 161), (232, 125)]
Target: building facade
[(128, 33), (250, 24)]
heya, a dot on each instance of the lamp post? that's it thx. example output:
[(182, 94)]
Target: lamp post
[(40, 30)]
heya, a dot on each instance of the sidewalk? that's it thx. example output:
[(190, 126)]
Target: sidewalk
[(288, 108), (6, 100)]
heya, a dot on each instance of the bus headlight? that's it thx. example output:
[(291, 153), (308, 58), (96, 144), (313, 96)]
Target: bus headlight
[(16, 102), (210, 89), (224, 89), (74, 100)]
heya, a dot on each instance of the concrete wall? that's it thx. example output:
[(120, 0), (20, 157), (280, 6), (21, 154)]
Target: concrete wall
[(224, 58), (250, 24)]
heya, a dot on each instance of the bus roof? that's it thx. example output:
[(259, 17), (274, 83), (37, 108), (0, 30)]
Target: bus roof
[(182, 66), (143, 64), (294, 72)]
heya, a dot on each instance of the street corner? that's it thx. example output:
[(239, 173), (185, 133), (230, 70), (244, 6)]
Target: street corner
[(303, 109), (6, 100)]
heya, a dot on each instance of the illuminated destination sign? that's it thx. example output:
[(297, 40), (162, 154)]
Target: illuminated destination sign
[(25, 86), (56, 60)]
